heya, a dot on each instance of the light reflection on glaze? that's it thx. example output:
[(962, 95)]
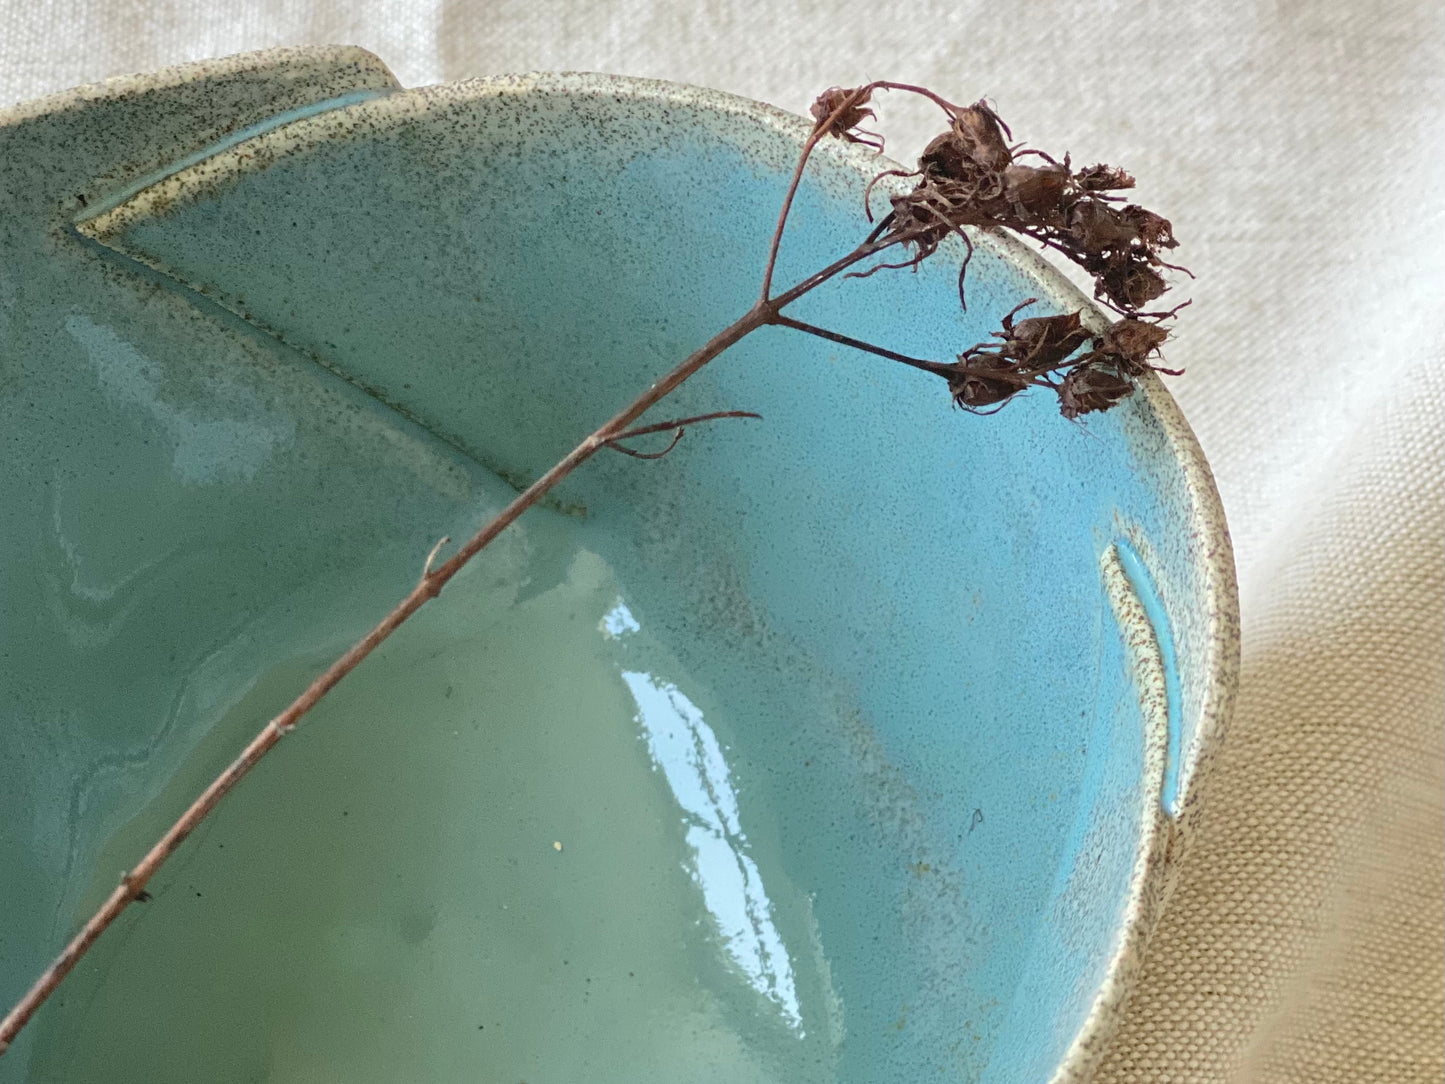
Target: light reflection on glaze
[(233, 443), (687, 751), (619, 620), (88, 606)]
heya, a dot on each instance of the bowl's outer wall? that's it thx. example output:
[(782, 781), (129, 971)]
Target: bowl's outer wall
[(505, 262)]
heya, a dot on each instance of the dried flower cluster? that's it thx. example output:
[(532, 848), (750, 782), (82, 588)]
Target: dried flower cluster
[(973, 176), (1035, 351)]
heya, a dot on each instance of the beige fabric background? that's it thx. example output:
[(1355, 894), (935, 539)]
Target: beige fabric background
[(1300, 150)]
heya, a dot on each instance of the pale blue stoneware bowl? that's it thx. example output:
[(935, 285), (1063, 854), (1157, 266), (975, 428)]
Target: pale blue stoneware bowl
[(271, 325)]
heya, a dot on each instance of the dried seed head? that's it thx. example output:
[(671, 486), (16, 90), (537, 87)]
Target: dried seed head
[(841, 110), (945, 157), (1043, 342), (976, 386), (969, 176), (1036, 193), (1153, 230), (1087, 388), (1097, 227), (921, 219), (1128, 282), (981, 133), (973, 145), (1132, 340)]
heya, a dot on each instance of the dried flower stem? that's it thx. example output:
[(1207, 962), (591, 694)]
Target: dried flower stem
[(678, 426), (937, 368), (850, 102)]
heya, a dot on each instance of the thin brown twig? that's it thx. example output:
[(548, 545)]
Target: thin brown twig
[(682, 423), (433, 579), (678, 424), (878, 230), (868, 193), (820, 128), (949, 108), (862, 252), (937, 368), (635, 454)]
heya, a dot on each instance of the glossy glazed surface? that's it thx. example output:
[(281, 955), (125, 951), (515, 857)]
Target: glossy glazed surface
[(931, 700)]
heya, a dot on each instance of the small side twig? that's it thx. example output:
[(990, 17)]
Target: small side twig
[(678, 424), (937, 368), (432, 556), (635, 454), (845, 113)]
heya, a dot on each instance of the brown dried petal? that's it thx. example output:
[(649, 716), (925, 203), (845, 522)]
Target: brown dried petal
[(984, 377), (946, 156), (1036, 191), (1087, 389), (975, 143), (853, 113), (1154, 230), (1130, 284), (915, 217), (983, 133), (1132, 339), (1102, 178), (1098, 227), (974, 390), (936, 207), (1043, 342)]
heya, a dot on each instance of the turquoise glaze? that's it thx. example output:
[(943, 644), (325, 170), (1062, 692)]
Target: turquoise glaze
[(271, 326)]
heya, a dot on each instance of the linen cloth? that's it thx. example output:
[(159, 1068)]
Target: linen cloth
[(1298, 149)]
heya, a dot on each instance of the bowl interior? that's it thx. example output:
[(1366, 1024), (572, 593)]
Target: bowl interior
[(830, 713)]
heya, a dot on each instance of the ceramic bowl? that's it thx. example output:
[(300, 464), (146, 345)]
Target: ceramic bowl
[(927, 696)]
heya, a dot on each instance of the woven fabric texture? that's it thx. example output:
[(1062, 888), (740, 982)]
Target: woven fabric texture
[(1297, 148)]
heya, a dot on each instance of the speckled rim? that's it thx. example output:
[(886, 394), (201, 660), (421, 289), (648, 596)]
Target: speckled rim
[(1162, 836), (322, 60)]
